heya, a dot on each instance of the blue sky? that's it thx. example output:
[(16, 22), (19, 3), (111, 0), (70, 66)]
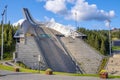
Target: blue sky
[(90, 14)]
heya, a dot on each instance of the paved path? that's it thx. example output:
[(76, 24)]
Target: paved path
[(28, 76)]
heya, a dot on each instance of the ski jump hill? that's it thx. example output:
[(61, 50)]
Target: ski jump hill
[(42, 45)]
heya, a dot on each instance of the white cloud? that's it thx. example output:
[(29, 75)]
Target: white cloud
[(56, 6), (18, 22), (83, 10), (46, 18), (52, 20), (107, 23), (71, 1)]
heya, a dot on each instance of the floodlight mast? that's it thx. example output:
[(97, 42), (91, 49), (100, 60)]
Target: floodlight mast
[(2, 22), (6, 14), (75, 19), (110, 46)]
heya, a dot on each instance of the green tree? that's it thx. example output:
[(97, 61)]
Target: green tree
[(97, 39), (102, 49), (97, 43), (9, 41)]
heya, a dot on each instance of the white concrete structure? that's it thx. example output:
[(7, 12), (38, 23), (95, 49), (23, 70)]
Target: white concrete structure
[(18, 22), (26, 27), (66, 30)]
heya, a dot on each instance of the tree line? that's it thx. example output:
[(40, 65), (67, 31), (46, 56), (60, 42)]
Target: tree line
[(8, 39), (99, 39), (116, 33)]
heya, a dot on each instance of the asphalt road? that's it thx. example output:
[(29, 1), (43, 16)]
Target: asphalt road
[(55, 56), (6, 75)]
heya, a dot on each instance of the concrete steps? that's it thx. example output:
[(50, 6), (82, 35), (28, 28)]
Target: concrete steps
[(88, 58)]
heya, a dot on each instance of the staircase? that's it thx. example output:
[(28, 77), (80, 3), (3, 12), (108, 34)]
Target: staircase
[(88, 59)]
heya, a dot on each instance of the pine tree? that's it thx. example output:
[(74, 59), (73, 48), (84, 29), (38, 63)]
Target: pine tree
[(102, 49)]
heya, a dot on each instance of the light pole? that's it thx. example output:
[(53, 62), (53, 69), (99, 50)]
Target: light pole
[(76, 27), (108, 25), (6, 14), (75, 19), (2, 41), (2, 34)]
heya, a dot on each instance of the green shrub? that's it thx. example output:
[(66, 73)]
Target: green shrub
[(103, 64), (49, 71)]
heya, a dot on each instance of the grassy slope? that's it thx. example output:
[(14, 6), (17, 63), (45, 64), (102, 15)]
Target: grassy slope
[(2, 67)]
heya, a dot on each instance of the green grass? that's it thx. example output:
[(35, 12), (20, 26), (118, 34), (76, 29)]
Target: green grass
[(103, 63), (9, 68), (3, 67), (115, 47), (111, 77), (21, 64)]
